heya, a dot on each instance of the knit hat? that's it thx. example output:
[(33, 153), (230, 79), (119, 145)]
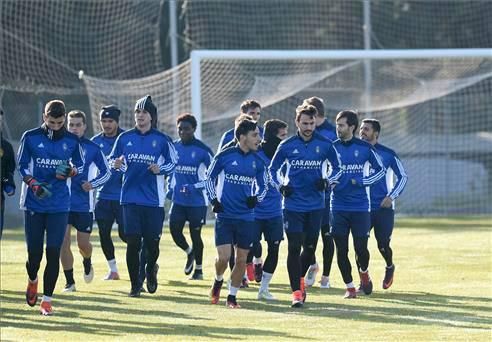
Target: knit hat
[(110, 112), (145, 103)]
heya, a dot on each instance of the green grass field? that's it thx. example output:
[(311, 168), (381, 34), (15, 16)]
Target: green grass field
[(442, 291)]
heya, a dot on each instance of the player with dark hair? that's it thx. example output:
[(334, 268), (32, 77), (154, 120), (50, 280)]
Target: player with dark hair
[(47, 157), (327, 130), (108, 208), (187, 192), (268, 214), (96, 172), (350, 200), (299, 168), (7, 171), (145, 155), (236, 181), (383, 195)]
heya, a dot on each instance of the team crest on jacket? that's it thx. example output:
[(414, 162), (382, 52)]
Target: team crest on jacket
[(356, 153), (317, 149), (154, 143), (254, 164), (65, 147), (193, 154)]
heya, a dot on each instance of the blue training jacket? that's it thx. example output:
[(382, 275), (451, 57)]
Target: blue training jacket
[(193, 160), (39, 155), (139, 150), (111, 190), (357, 157), (232, 177), (96, 171), (271, 206), (327, 130), (386, 186), (300, 164)]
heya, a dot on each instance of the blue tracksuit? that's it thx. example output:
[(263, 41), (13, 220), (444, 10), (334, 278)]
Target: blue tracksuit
[(357, 156), (140, 185), (228, 136), (38, 156), (304, 163), (111, 190), (193, 160), (327, 130), (232, 177), (271, 206), (96, 171), (386, 186)]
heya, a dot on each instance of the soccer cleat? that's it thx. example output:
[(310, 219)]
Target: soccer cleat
[(135, 292), (350, 293), (258, 272), (297, 301), (215, 291), (112, 276), (231, 302), (311, 274), (197, 275), (365, 282), (45, 308), (303, 290), (265, 294), (152, 279), (32, 292), (250, 271), (69, 288), (324, 283), (388, 277), (244, 283), (190, 259), (88, 271)]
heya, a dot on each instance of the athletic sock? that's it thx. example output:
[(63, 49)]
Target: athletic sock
[(265, 281), (46, 299), (112, 265), (189, 250), (69, 276), (87, 265), (256, 260), (350, 285), (219, 277), (233, 291), (198, 268)]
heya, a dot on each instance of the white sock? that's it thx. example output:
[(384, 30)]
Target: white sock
[(32, 281), (198, 267), (233, 291), (219, 277), (46, 299), (112, 265), (257, 261), (265, 281), (189, 250), (361, 271), (350, 285)]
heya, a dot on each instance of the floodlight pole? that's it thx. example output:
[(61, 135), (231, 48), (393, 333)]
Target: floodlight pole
[(173, 39), (367, 62)]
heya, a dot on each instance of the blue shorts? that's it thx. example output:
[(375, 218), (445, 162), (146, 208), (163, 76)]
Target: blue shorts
[(179, 214), (81, 221), (55, 225), (234, 232), (143, 221), (272, 229), (325, 220), (344, 222), (383, 221), (109, 210), (303, 222)]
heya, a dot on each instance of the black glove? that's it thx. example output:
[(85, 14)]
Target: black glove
[(286, 190), (321, 184), (251, 201), (217, 206)]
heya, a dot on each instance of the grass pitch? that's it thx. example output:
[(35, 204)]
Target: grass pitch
[(442, 291)]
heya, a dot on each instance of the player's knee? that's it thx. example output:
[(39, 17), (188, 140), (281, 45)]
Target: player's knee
[(52, 254), (383, 245), (360, 245)]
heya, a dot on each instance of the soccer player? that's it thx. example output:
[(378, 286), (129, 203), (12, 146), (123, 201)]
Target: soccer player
[(96, 172), (108, 208), (7, 171), (187, 187), (47, 157), (350, 202), (299, 169), (236, 181), (326, 129), (145, 155), (268, 214), (383, 195), (248, 107)]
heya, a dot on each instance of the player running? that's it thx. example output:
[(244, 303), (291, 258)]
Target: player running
[(108, 208), (350, 200), (383, 195), (187, 192), (145, 155), (47, 157), (268, 214), (328, 131), (236, 181), (96, 172), (299, 168)]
